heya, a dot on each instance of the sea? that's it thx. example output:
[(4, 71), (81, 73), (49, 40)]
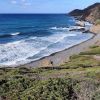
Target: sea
[(28, 37)]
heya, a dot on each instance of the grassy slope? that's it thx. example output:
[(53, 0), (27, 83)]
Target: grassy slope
[(76, 80)]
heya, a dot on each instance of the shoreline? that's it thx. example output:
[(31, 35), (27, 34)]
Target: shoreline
[(60, 57)]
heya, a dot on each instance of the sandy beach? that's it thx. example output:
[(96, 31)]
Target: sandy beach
[(61, 57)]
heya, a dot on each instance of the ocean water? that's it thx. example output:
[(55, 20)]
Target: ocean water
[(29, 37)]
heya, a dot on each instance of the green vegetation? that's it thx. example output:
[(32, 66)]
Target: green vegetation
[(84, 59), (52, 89), (79, 79), (81, 61), (94, 51), (97, 22), (94, 46), (26, 84)]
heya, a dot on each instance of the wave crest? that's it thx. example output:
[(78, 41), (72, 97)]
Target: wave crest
[(59, 28), (17, 33), (67, 28), (9, 35)]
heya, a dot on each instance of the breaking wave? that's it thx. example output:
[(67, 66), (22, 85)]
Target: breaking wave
[(9, 35)]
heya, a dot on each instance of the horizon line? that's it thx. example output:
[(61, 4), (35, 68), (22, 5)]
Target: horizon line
[(33, 13)]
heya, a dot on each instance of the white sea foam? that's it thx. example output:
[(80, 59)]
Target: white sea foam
[(58, 37), (18, 52), (59, 28), (17, 33), (66, 28)]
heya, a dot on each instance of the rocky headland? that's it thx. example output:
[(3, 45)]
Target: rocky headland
[(91, 13)]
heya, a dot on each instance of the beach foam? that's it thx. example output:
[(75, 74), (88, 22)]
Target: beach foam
[(20, 52), (17, 33), (59, 28), (67, 28)]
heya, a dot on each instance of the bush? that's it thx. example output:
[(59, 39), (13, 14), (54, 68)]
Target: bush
[(96, 96), (53, 89)]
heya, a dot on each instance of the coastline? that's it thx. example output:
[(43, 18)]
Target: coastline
[(59, 58), (63, 56)]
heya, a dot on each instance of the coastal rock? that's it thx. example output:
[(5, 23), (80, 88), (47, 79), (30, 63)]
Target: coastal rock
[(80, 23), (86, 31), (91, 13), (95, 29), (80, 29)]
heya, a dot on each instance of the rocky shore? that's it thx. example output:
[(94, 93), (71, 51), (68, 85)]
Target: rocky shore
[(90, 14)]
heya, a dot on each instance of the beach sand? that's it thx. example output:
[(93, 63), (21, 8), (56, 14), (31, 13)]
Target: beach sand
[(61, 57)]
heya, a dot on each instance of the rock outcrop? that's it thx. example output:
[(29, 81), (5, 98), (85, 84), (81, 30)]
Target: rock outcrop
[(80, 23), (91, 13)]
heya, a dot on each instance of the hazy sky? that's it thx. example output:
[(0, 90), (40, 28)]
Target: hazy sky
[(43, 6)]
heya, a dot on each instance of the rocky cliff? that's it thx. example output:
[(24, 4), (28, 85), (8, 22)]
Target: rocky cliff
[(91, 13)]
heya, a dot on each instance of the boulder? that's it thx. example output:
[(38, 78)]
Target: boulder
[(80, 23), (81, 29)]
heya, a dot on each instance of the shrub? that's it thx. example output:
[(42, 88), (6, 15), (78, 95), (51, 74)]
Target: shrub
[(53, 89)]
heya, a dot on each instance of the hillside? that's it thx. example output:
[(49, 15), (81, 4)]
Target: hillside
[(78, 79), (91, 13)]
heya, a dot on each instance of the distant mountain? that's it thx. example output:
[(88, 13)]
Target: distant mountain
[(91, 13)]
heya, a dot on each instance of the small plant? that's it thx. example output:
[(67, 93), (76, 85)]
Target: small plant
[(95, 46), (97, 22), (75, 56)]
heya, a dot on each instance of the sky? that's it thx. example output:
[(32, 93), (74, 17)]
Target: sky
[(43, 6)]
